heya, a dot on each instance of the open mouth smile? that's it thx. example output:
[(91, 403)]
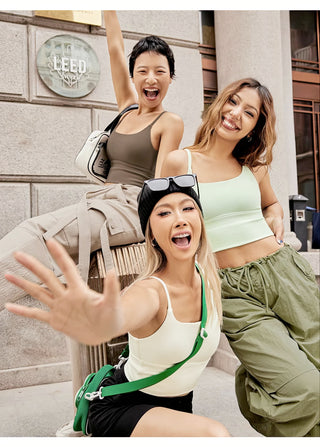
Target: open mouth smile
[(182, 240), (151, 93), (229, 124)]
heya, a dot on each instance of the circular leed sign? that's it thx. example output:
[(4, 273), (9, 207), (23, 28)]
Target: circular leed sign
[(68, 66)]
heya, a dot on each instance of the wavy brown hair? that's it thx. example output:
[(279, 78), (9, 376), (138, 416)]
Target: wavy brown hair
[(252, 152)]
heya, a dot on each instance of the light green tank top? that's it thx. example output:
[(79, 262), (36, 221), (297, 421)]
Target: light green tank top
[(232, 210)]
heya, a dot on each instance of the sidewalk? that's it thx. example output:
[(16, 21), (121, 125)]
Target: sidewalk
[(40, 410)]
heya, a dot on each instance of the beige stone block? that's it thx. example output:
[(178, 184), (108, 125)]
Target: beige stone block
[(224, 344), (248, 57), (29, 342), (50, 197), (103, 93), (313, 257), (15, 199), (19, 12), (183, 25), (40, 139), (35, 375), (225, 361), (102, 118), (26, 345), (14, 60)]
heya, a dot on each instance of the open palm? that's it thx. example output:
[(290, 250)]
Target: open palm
[(74, 309)]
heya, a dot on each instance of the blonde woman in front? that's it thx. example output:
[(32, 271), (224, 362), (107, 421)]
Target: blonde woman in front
[(161, 312)]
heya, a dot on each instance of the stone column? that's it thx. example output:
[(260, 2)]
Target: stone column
[(257, 44)]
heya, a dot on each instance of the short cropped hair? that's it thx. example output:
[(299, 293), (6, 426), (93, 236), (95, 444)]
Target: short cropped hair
[(152, 44)]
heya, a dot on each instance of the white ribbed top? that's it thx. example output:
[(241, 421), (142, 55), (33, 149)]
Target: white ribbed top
[(172, 343)]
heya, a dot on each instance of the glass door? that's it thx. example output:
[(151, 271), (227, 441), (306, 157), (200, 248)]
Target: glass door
[(307, 131)]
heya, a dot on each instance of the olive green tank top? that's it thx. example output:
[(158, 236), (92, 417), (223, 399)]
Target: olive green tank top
[(232, 210), (132, 156)]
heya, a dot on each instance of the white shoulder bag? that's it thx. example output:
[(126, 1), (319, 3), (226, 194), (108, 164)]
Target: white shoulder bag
[(92, 158)]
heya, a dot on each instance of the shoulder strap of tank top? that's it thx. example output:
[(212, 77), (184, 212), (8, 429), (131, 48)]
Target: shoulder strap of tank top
[(148, 126), (166, 290), (156, 119), (189, 161)]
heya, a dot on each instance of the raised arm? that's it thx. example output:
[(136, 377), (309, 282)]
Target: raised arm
[(125, 94), (76, 310)]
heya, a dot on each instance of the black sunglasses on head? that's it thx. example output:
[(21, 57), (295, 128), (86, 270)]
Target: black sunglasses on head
[(183, 181)]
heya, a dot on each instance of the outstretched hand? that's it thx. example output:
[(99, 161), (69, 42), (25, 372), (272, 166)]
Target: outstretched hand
[(74, 309)]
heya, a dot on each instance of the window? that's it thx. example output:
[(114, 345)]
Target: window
[(307, 134), (208, 55), (305, 41), (207, 22)]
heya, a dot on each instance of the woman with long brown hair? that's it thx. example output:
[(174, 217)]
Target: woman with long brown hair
[(270, 297)]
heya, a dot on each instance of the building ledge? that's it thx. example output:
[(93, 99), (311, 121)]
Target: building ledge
[(313, 257)]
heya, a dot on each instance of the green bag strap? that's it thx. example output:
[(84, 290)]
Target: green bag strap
[(139, 384)]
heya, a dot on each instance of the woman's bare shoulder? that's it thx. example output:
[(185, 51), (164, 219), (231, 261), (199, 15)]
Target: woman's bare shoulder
[(145, 284), (144, 291), (172, 116), (171, 120), (260, 172), (175, 163)]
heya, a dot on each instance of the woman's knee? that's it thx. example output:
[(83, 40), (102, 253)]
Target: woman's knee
[(215, 429), (304, 390)]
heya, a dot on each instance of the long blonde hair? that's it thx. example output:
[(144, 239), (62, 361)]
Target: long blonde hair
[(252, 152), (156, 261)]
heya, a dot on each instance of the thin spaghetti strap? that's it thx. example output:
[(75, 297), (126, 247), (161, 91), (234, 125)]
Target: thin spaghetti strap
[(148, 126), (166, 290), (189, 161), (156, 119)]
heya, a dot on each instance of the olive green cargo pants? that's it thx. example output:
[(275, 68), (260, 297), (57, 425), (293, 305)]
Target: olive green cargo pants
[(271, 319)]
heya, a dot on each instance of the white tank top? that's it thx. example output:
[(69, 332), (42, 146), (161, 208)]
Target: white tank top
[(172, 343)]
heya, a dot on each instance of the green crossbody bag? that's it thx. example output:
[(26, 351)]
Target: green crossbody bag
[(91, 388)]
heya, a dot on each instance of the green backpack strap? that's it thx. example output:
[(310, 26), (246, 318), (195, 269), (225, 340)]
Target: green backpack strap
[(91, 383)]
